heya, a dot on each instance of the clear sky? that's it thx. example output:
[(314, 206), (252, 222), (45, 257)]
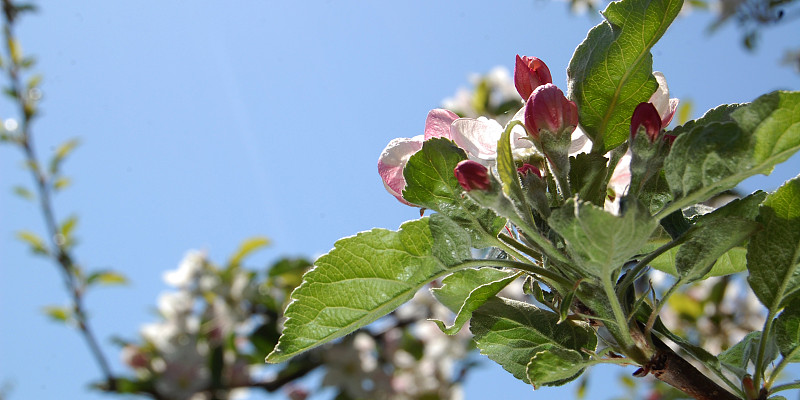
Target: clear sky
[(204, 123)]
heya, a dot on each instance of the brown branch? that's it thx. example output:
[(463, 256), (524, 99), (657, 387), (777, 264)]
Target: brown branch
[(673, 370)]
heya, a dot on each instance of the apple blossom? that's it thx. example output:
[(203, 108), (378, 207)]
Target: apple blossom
[(530, 73), (396, 154)]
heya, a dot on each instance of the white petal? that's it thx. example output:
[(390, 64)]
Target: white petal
[(660, 98), (478, 137)]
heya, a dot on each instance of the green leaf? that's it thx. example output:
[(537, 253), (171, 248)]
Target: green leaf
[(600, 241), (464, 291), (23, 192), (451, 244), (107, 277), (733, 261), (286, 265), (249, 246), (611, 71), (430, 183), (737, 358), (773, 254), (37, 244), (62, 182), (709, 241), (63, 150), (587, 176), (719, 114), (363, 278), (787, 331), (511, 332), (68, 226), (555, 366), (57, 313), (509, 178), (715, 157)]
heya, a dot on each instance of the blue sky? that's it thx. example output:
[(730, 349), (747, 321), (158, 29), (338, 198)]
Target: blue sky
[(206, 123)]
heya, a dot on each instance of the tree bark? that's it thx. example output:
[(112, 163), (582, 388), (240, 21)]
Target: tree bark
[(673, 370)]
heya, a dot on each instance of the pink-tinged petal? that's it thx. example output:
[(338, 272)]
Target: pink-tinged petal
[(549, 109), (619, 183), (519, 136), (392, 161), (530, 73), (526, 169), (478, 137), (646, 116), (580, 142), (667, 118), (438, 123), (664, 105), (472, 175)]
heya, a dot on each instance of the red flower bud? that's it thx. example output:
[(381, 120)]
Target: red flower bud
[(472, 175), (646, 116), (548, 109), (526, 169), (530, 73)]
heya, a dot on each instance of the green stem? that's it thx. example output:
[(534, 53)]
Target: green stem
[(510, 241), (516, 265), (762, 348), (657, 310), (624, 334), (784, 362), (545, 245), (634, 272), (785, 386)]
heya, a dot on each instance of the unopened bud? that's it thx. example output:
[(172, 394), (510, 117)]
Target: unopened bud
[(530, 73), (645, 117), (472, 175), (548, 109)]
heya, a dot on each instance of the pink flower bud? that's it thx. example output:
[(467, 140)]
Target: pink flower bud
[(526, 169), (646, 116), (530, 73), (548, 109), (472, 175)]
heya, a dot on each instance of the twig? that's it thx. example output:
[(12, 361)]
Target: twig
[(61, 254)]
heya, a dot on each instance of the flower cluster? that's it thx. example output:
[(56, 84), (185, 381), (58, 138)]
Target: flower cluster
[(544, 126)]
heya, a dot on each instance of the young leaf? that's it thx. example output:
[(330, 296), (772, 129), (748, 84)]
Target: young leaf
[(598, 240), (38, 246), (773, 254), (555, 366), (62, 152), (611, 71), (787, 331), (430, 183), (741, 354), (715, 157), (248, 247), (23, 192), (363, 278), (719, 114), (587, 176), (511, 332), (59, 314), (107, 278), (707, 242), (464, 291)]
